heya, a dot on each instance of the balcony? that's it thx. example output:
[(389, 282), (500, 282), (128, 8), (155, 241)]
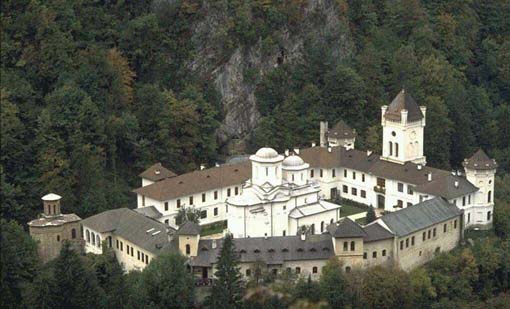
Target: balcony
[(379, 189)]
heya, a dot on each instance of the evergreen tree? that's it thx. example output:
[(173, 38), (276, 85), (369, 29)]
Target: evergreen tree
[(19, 262), (307, 289), (167, 283), (75, 283), (110, 277), (227, 289), (371, 217), (333, 284)]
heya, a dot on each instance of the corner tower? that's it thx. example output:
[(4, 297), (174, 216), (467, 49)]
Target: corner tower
[(403, 123), (480, 171)]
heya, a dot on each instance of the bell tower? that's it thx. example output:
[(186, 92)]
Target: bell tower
[(403, 123)]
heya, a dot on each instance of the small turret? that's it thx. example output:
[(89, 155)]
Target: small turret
[(51, 205)]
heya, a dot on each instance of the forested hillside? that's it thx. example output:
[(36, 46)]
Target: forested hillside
[(92, 92)]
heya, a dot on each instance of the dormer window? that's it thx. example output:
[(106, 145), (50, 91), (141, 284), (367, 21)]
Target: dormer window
[(285, 250), (242, 251), (300, 250), (270, 250), (256, 251)]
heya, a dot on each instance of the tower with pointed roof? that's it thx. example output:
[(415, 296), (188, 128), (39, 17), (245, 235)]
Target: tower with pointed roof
[(480, 171), (403, 123)]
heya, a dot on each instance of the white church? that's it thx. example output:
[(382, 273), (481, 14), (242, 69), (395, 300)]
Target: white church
[(275, 194)]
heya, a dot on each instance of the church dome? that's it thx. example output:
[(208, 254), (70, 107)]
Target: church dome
[(293, 160), (266, 153)]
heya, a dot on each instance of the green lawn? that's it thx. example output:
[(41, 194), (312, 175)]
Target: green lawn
[(348, 210), (213, 228)]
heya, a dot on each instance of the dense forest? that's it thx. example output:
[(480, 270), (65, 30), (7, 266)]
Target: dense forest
[(92, 92)]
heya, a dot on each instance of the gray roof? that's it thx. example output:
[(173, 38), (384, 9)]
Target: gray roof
[(376, 232), (480, 161), (143, 231), (149, 211), (402, 101), (342, 130), (420, 216), (449, 187), (157, 172), (346, 228), (271, 250), (188, 228)]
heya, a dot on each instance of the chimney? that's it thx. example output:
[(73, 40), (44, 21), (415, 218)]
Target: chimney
[(296, 151), (313, 144), (323, 133), (202, 167), (303, 236), (369, 152), (429, 176), (213, 244), (419, 167), (456, 183), (286, 152), (329, 149), (384, 108)]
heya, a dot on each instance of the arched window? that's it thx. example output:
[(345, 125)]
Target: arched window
[(267, 171), (489, 197), (293, 177), (353, 246), (347, 269), (54, 209), (98, 240), (314, 269), (58, 237), (93, 236), (396, 149), (322, 226), (188, 249), (391, 148), (88, 236), (73, 233), (331, 221)]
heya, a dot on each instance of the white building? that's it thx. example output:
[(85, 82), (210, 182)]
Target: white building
[(278, 199), (397, 179)]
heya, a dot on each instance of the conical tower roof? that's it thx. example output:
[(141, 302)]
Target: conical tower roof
[(480, 161)]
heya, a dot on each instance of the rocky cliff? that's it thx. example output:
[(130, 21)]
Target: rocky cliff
[(236, 70)]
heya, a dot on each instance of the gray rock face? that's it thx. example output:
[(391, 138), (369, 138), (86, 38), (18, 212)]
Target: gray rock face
[(237, 92)]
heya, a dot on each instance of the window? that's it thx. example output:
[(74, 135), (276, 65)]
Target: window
[(363, 177), (117, 241), (322, 226), (248, 272), (216, 211), (354, 191), (401, 245), (58, 237), (347, 269), (203, 214), (228, 192), (178, 203), (354, 175), (73, 233), (345, 189), (333, 173), (400, 204), (384, 252), (410, 190), (138, 255), (166, 206), (312, 228), (215, 195), (400, 187), (489, 197), (455, 224), (489, 214), (353, 246), (381, 182), (203, 197), (320, 173), (469, 217), (143, 200), (236, 190), (191, 200), (93, 237), (363, 193), (424, 236), (407, 242), (345, 173), (314, 269), (364, 255), (143, 256), (267, 171), (167, 221), (444, 228), (412, 241), (346, 246), (391, 148), (132, 252), (127, 249), (434, 232), (469, 199), (188, 249), (396, 149), (298, 270), (311, 173), (284, 232), (463, 201), (374, 255), (428, 234), (146, 259), (121, 246)]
